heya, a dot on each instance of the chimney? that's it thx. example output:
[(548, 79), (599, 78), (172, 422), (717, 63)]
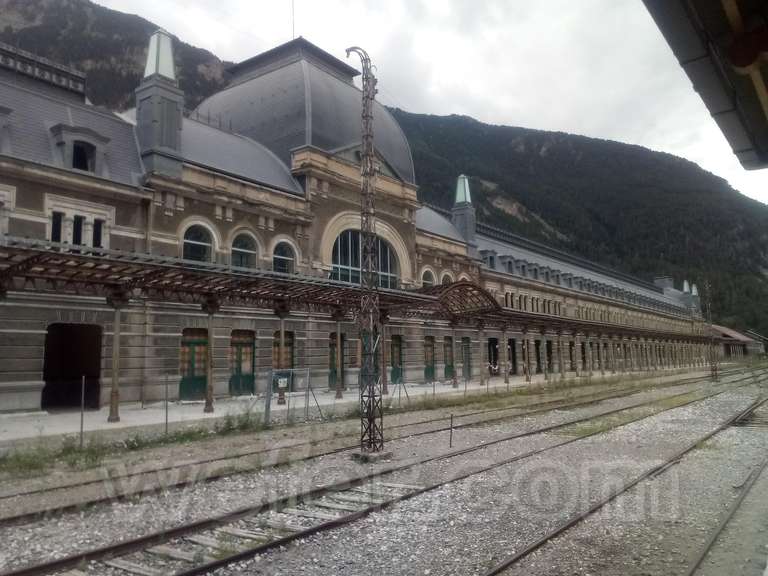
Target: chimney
[(159, 107), (463, 212), (664, 282)]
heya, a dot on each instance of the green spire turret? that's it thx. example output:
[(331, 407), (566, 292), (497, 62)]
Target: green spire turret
[(462, 191)]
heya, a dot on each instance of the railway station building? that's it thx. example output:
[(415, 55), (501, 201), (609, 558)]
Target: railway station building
[(217, 245)]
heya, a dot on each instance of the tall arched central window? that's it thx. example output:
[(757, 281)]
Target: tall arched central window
[(198, 244), (347, 255)]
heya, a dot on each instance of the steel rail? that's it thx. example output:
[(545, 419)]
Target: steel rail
[(556, 404), (658, 469), (143, 542), (727, 517), (160, 487)]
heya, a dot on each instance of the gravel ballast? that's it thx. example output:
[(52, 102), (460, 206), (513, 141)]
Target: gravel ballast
[(468, 526)]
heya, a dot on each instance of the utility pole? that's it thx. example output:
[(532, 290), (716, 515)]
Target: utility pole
[(371, 414), (713, 367)]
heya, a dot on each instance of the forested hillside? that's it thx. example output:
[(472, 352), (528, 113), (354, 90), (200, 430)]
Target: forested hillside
[(640, 211)]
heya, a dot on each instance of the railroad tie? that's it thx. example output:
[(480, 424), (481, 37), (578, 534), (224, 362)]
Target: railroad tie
[(335, 505), (368, 500), (282, 525), (132, 567), (208, 542), (376, 493), (246, 534), (407, 487), (314, 514), (176, 554)]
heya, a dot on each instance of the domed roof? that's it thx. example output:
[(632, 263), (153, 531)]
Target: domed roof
[(298, 95)]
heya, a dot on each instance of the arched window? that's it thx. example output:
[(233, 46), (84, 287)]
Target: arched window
[(244, 252), (347, 255), (427, 278), (198, 244), (283, 258), (446, 280)]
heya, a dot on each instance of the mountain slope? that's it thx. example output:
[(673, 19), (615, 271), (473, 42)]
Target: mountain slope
[(640, 211), (108, 45)]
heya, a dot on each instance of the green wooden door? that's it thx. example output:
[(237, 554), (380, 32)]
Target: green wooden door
[(429, 358), (333, 375), (448, 356), (466, 358), (396, 357), (193, 365), (242, 379)]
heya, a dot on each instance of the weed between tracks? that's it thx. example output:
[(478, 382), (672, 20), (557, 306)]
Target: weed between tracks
[(39, 459), (606, 423)]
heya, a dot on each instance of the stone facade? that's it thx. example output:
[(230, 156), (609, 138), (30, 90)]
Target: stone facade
[(162, 341)]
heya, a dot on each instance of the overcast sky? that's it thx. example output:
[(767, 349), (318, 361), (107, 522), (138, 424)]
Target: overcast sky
[(594, 67)]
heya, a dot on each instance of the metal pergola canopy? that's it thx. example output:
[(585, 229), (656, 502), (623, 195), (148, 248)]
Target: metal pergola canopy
[(28, 265), (466, 303), (41, 266)]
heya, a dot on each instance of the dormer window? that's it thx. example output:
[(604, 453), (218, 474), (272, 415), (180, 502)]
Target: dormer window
[(80, 148), (83, 156)]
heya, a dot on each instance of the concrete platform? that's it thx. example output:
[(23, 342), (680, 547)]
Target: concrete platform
[(25, 428)]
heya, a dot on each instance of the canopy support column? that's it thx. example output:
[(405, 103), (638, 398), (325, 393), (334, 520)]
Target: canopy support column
[(505, 351), (210, 307), (117, 300)]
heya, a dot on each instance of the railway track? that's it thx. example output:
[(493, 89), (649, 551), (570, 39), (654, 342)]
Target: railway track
[(530, 409), (658, 469), (748, 493), (202, 546)]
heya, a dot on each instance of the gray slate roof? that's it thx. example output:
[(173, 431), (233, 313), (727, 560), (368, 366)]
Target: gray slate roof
[(297, 98), (431, 221), (235, 155), (232, 154), (544, 260), (33, 114)]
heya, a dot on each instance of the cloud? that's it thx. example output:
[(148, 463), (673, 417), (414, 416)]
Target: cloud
[(595, 67)]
